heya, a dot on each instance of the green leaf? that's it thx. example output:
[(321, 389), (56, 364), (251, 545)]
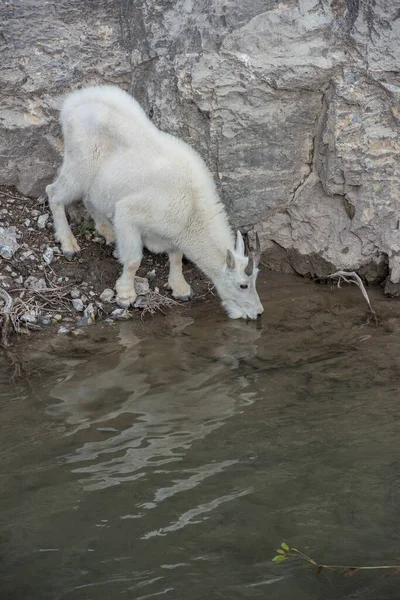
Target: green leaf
[(279, 551), (279, 558), (285, 547)]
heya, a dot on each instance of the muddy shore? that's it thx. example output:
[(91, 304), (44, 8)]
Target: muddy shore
[(50, 293)]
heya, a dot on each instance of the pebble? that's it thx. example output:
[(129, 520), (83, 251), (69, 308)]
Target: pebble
[(28, 318), (78, 332), (27, 222), (35, 213), (19, 279), (78, 304), (120, 314), (91, 311), (34, 283), (141, 302), (107, 295), (142, 286), (48, 256), (57, 318), (26, 254), (8, 242), (151, 275), (5, 281), (46, 320), (89, 316), (63, 329), (42, 220), (74, 293)]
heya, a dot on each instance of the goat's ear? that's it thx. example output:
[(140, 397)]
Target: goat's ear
[(239, 243), (230, 260)]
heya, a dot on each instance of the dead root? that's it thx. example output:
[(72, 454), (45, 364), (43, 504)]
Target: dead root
[(6, 321), (156, 302), (352, 277)]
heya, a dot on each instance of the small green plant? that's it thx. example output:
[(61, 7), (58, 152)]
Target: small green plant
[(285, 552), (84, 227)]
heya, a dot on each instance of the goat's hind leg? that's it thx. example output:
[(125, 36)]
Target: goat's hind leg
[(103, 225), (181, 290), (61, 193), (129, 247), (105, 229)]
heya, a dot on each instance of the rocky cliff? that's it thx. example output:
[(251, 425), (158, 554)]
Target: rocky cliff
[(295, 106)]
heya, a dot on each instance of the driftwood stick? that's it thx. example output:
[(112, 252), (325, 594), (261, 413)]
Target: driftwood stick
[(352, 277)]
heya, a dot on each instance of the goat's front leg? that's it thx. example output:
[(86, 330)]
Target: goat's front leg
[(129, 246), (181, 290)]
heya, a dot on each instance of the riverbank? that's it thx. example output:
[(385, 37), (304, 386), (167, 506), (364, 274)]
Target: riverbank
[(40, 289)]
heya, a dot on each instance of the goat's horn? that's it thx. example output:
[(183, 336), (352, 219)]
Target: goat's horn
[(257, 254), (250, 265), (247, 245)]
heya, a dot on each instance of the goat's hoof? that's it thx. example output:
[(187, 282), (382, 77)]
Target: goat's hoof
[(184, 294), (184, 298), (125, 302), (70, 255)]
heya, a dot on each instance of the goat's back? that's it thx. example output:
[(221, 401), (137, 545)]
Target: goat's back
[(111, 144), (104, 114)]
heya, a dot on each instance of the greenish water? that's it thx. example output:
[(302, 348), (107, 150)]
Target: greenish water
[(169, 459)]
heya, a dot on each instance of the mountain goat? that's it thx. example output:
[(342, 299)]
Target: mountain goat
[(147, 188)]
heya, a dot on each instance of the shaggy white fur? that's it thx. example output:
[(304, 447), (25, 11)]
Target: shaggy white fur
[(147, 188)]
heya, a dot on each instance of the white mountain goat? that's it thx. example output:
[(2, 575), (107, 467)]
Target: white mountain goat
[(147, 188)]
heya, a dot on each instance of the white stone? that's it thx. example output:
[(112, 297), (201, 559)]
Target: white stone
[(48, 256), (142, 286), (78, 304), (34, 283), (107, 295), (42, 220)]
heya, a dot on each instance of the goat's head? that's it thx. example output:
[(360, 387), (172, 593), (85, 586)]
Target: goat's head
[(237, 281)]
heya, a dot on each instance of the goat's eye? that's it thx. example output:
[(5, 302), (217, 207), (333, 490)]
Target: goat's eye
[(243, 286)]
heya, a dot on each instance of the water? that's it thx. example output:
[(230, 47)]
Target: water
[(169, 459)]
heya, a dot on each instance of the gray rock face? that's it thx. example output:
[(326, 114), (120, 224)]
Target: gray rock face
[(47, 50), (295, 107)]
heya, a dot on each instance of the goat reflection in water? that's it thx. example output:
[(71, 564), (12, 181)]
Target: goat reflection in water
[(155, 398)]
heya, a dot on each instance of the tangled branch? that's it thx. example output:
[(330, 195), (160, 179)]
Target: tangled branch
[(285, 552), (156, 302)]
